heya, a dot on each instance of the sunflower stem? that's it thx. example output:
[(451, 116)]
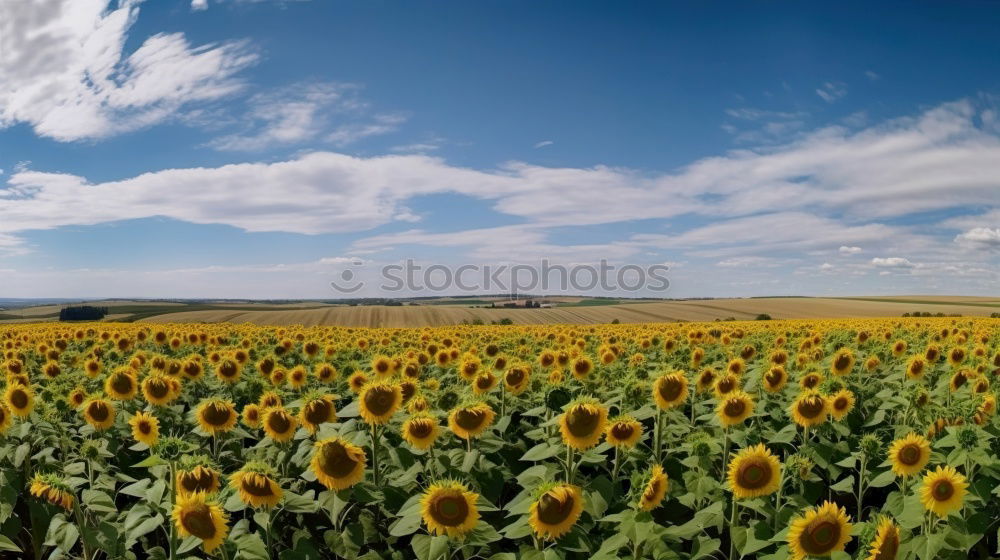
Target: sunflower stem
[(614, 470), (732, 525), (375, 449), (777, 500), (569, 465), (658, 436), (861, 486), (171, 484), (503, 400), (725, 452)]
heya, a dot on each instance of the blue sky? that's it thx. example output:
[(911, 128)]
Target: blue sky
[(213, 148)]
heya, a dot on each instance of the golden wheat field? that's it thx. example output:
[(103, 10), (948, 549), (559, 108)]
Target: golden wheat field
[(846, 438), (566, 310)]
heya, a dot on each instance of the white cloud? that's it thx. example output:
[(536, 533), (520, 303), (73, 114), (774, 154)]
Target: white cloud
[(66, 73), (892, 262), (845, 250), (982, 237), (302, 112), (832, 91), (350, 133), (751, 261), (829, 190), (752, 114), (11, 246), (873, 76), (544, 143), (826, 267), (198, 5)]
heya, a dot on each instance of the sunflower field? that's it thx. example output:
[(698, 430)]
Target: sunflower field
[(867, 439)]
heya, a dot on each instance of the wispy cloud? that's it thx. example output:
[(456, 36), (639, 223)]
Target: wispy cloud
[(332, 112), (544, 143), (67, 75), (832, 91)]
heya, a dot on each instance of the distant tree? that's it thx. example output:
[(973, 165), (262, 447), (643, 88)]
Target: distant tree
[(616, 322), (83, 313), (763, 317)]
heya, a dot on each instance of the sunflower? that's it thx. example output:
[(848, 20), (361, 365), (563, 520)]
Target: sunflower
[(775, 379), (734, 408), (899, 348), (382, 366), (843, 362), (916, 367), (198, 478), (449, 508), (379, 401), (470, 421), (819, 531), (52, 490), (624, 431), (655, 489), (871, 363), (326, 373), (198, 516), (909, 455), (20, 399), (278, 377), (956, 356), (216, 416), (582, 367), (418, 404), (484, 382), (809, 409), (256, 485), (251, 416), (279, 425), (726, 384), (297, 377), (228, 371), (943, 490), (841, 404), (317, 410), (337, 463), (555, 510), (270, 399), (99, 413), (4, 419), (885, 545), (420, 431), (958, 380), (754, 472), (92, 368), (706, 380), (582, 424), (158, 390), (811, 380), (121, 385), (736, 366), (670, 390), (145, 428), (469, 367)]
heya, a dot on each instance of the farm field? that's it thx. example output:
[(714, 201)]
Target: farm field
[(647, 312), (844, 438), (567, 310)]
